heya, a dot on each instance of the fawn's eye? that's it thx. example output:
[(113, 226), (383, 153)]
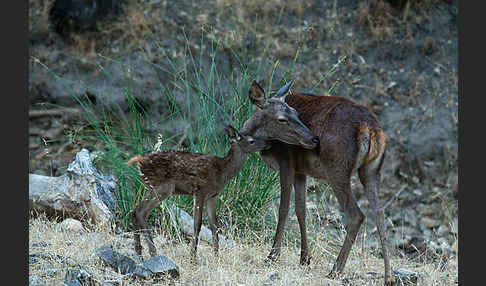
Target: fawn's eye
[(251, 141)]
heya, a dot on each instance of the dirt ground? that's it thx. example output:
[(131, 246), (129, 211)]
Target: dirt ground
[(401, 60)]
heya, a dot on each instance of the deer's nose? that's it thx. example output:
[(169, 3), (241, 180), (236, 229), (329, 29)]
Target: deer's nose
[(315, 140)]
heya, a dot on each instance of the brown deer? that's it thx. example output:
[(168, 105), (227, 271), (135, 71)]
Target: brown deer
[(350, 139), (204, 176)]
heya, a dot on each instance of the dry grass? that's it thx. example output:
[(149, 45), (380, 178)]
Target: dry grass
[(242, 265)]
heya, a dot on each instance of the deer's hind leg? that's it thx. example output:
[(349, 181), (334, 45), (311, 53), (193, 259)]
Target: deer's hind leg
[(213, 222), (341, 186), (198, 210), (369, 175), (152, 198)]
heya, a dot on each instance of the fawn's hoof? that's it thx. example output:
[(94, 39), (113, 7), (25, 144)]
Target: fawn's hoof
[(271, 259), (305, 261)]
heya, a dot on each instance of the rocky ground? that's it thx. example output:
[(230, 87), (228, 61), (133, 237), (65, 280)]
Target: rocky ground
[(401, 60)]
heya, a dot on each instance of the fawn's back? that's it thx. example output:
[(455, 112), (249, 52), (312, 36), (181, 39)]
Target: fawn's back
[(188, 171)]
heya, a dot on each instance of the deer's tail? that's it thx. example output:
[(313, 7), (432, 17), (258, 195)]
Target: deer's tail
[(372, 143), (134, 159)]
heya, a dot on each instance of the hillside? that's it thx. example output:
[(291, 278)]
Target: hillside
[(398, 57)]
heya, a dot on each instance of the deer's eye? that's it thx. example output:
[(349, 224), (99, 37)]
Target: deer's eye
[(251, 141)]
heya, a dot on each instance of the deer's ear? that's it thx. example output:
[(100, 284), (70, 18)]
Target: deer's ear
[(282, 92), (232, 132), (257, 95)]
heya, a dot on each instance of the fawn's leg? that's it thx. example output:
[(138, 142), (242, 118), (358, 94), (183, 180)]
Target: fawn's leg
[(152, 198), (300, 211), (198, 210), (213, 222)]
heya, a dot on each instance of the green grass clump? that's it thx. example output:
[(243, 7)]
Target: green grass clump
[(206, 104), (201, 96)]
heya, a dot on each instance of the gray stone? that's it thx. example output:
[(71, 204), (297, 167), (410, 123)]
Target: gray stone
[(35, 257), (274, 276), (427, 222), (117, 261), (442, 230), (79, 275), (128, 252), (71, 224), (142, 272), (40, 244), (73, 283), (405, 277), (454, 226), (81, 192), (161, 265), (35, 280)]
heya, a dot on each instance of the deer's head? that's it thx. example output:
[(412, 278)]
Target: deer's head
[(247, 143), (276, 120)]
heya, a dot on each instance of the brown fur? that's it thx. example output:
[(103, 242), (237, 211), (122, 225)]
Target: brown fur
[(184, 173), (350, 139)]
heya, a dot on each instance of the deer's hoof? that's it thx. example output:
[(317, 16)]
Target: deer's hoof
[(389, 282), (332, 275)]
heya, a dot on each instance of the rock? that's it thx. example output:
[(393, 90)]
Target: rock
[(128, 252), (119, 262), (105, 185), (405, 277), (427, 222), (79, 276), (401, 235), (185, 222), (35, 257), (442, 230), (271, 279), (35, 280), (161, 265), (80, 193), (73, 283), (454, 226), (142, 272), (71, 224), (40, 244), (274, 276), (74, 16)]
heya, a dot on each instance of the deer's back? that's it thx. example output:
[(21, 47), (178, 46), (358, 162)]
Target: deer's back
[(188, 170), (341, 125), (331, 113)]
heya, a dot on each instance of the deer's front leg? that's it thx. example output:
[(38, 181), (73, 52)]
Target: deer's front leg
[(286, 180), (300, 211)]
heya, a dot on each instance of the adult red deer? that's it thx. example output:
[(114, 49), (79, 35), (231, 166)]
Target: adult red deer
[(350, 139)]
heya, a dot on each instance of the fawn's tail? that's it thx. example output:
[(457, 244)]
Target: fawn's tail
[(134, 159)]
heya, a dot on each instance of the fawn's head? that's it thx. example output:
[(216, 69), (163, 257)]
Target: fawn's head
[(276, 120), (247, 143)]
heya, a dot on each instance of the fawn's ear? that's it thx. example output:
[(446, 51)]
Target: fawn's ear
[(283, 91), (257, 95), (232, 132)]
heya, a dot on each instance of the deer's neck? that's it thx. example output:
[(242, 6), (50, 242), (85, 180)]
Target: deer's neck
[(233, 162)]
